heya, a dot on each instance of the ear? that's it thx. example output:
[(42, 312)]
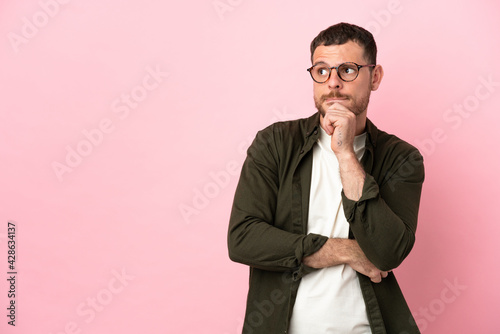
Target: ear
[(377, 75)]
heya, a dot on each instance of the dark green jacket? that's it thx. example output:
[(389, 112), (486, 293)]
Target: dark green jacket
[(268, 224)]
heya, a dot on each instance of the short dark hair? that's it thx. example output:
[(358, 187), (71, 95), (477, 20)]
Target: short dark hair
[(342, 33)]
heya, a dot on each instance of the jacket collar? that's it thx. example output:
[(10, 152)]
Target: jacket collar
[(372, 131), (312, 124)]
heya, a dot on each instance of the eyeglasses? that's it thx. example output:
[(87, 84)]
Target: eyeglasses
[(346, 71)]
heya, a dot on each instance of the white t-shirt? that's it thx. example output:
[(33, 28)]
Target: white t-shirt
[(329, 300)]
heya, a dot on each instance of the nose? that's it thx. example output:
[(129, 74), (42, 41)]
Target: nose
[(334, 82)]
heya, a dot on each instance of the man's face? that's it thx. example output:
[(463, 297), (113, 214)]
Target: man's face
[(354, 95)]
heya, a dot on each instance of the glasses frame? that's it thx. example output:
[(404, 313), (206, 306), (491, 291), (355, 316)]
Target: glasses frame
[(337, 69)]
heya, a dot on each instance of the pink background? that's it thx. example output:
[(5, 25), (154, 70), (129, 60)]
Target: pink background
[(224, 69)]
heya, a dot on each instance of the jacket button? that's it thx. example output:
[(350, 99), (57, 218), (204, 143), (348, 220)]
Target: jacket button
[(302, 152)]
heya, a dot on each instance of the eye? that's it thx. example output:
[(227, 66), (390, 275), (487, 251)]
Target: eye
[(348, 70), (323, 71)]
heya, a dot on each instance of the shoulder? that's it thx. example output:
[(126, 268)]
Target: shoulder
[(393, 155), (290, 131), (389, 144), (282, 141)]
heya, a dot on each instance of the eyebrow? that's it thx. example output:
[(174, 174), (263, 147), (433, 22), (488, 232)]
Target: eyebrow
[(321, 62)]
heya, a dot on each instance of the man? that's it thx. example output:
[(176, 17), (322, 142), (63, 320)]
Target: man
[(326, 207)]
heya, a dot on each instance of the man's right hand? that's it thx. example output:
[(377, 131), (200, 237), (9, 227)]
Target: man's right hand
[(345, 251), (359, 262)]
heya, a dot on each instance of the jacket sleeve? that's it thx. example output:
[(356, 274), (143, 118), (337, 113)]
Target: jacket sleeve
[(253, 238), (384, 219)]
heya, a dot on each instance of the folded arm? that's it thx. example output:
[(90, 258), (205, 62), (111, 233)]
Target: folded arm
[(254, 238), (382, 218)]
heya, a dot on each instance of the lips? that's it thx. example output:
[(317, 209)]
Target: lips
[(334, 96), (332, 100)]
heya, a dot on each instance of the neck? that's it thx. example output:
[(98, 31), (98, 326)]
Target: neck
[(360, 123)]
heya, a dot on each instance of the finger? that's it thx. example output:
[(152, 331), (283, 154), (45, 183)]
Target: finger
[(376, 279), (339, 107), (336, 118), (328, 124), (384, 274)]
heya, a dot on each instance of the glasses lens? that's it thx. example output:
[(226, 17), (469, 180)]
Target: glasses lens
[(348, 71), (320, 73)]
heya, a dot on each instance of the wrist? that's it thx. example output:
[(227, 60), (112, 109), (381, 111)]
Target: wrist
[(346, 157), (342, 248)]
